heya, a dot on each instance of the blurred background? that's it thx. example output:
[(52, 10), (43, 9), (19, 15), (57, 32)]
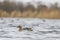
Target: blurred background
[(30, 8)]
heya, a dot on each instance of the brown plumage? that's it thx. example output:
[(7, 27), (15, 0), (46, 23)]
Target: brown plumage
[(20, 28)]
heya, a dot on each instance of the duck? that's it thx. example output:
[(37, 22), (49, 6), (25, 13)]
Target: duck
[(27, 28)]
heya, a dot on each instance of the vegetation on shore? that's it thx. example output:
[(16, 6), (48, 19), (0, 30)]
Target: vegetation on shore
[(12, 9)]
